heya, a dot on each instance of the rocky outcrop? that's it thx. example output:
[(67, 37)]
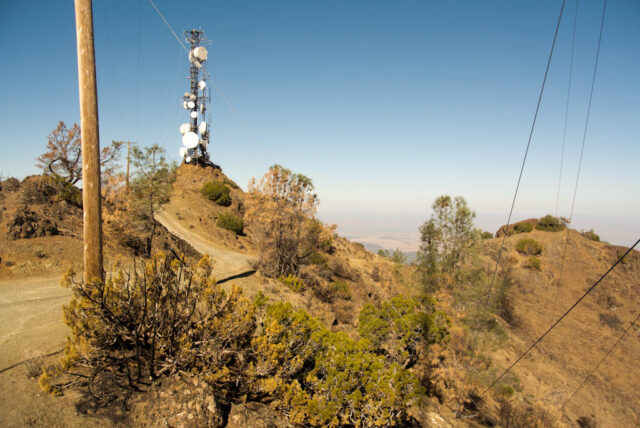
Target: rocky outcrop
[(27, 224)]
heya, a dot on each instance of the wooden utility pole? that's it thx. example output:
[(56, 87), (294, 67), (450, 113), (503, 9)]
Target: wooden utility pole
[(92, 215), (128, 159)]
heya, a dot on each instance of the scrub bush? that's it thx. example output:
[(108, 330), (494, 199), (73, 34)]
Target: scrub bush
[(230, 222), (529, 246), (533, 263), (217, 192), (550, 223), (293, 282), (402, 325), (326, 379)]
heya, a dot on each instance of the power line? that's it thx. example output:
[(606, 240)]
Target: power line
[(586, 123), (169, 26), (601, 361), (539, 339), (235, 112), (515, 194), (524, 160), (566, 110), (584, 138)]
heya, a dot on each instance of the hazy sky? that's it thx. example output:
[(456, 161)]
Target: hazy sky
[(385, 105)]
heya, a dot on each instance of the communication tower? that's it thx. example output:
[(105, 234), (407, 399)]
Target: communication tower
[(196, 133)]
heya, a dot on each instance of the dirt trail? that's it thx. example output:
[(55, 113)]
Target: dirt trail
[(31, 318), (227, 263)]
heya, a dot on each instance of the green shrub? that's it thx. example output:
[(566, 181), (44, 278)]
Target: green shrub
[(590, 234), (340, 289), (316, 258), (384, 253), (293, 282), (401, 324), (230, 222), (326, 379), (528, 246), (550, 223), (217, 192), (533, 263), (522, 227), (486, 235), (505, 390)]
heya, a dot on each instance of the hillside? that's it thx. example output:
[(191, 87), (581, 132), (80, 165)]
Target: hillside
[(570, 351), (190, 223), (194, 218)]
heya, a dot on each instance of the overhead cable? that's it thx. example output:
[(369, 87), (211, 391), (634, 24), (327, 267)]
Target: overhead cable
[(601, 361), (539, 339)]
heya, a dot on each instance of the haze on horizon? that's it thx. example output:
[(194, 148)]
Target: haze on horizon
[(384, 105)]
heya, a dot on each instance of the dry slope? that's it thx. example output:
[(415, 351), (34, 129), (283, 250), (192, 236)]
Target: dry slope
[(571, 350)]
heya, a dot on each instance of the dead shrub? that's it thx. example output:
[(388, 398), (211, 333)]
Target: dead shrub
[(34, 363), (339, 268), (153, 320), (587, 422), (610, 320), (519, 414)]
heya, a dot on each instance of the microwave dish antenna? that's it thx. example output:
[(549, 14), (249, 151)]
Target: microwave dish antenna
[(195, 134)]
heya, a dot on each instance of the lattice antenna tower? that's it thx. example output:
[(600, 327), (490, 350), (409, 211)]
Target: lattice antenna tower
[(196, 133)]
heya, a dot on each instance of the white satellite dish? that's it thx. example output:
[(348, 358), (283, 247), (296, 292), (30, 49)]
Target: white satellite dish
[(194, 114), (188, 159), (183, 152), (200, 53), (184, 104), (190, 140), (191, 104), (192, 97), (202, 127), (202, 84), (184, 128)]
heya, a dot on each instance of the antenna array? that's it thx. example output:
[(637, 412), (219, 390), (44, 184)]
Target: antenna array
[(196, 133)]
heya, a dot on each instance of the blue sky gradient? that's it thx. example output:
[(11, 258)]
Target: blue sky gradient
[(385, 105)]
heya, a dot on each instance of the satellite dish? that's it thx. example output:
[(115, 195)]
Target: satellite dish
[(184, 128), (202, 84), (191, 104), (202, 127), (190, 140), (183, 152), (188, 159), (184, 104), (192, 97), (194, 114), (200, 53)]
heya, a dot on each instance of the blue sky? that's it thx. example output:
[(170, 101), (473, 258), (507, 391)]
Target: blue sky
[(385, 105)]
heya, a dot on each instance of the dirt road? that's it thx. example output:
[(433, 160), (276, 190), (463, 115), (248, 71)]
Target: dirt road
[(30, 318), (227, 263)]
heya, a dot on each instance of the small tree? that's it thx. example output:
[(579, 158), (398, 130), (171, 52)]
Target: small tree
[(446, 237), (63, 157), (150, 186), (279, 213)]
